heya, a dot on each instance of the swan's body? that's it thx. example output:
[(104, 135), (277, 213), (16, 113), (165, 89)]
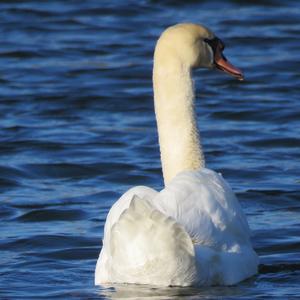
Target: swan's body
[(193, 232)]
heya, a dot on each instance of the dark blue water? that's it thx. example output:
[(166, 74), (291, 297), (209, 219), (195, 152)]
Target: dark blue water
[(78, 130)]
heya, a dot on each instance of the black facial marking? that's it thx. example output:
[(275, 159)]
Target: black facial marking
[(213, 43)]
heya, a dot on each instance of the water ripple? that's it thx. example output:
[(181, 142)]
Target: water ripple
[(78, 130)]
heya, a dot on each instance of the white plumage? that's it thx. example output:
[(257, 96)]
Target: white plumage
[(193, 232)]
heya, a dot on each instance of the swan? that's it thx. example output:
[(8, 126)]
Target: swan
[(193, 232)]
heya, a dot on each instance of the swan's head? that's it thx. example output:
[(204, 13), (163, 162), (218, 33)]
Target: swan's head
[(195, 46)]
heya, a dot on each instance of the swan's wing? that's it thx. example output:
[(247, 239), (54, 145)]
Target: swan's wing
[(148, 247), (123, 203), (206, 206), (102, 268), (225, 267)]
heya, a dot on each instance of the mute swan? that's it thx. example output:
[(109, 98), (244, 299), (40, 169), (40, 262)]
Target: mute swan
[(193, 232)]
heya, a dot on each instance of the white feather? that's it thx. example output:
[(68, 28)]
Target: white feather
[(191, 233)]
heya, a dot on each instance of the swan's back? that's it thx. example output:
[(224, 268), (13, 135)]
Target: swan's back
[(209, 211), (191, 233), (206, 206)]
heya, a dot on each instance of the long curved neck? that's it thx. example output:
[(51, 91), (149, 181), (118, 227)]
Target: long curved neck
[(175, 115)]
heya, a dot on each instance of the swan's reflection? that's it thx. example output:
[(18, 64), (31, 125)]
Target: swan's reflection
[(131, 291)]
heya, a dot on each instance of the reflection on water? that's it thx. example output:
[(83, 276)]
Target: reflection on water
[(141, 292), (78, 130)]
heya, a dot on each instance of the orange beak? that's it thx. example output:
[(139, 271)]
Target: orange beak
[(224, 65)]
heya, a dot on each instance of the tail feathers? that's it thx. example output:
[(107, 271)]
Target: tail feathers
[(147, 247)]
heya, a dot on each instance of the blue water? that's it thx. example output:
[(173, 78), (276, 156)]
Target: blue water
[(78, 130)]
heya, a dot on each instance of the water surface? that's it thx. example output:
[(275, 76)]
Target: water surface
[(78, 130)]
